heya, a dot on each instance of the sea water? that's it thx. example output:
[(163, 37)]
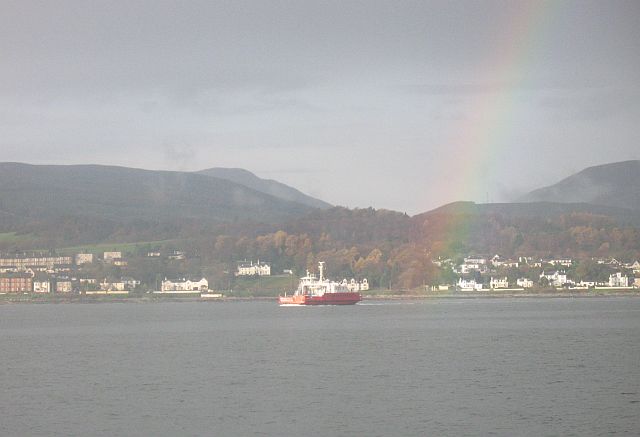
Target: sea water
[(435, 367)]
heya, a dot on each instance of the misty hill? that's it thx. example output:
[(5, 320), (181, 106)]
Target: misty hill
[(43, 194), (616, 185), (538, 210), (267, 186)]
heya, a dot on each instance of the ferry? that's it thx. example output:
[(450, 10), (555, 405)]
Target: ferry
[(320, 291)]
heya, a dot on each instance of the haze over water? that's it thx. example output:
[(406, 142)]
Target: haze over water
[(438, 367)]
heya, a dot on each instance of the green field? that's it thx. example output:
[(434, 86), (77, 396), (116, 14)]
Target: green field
[(262, 286), (12, 237), (125, 248)]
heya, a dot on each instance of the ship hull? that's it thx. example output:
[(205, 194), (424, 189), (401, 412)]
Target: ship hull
[(325, 299)]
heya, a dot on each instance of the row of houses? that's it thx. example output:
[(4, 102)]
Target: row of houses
[(556, 279), (485, 265), (24, 282)]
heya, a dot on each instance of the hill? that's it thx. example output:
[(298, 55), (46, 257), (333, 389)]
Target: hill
[(267, 186), (108, 200), (537, 210), (616, 185)]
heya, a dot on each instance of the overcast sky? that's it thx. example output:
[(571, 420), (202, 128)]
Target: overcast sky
[(400, 105)]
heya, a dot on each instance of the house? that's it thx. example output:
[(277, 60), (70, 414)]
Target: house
[(109, 257), (499, 283), (129, 282), (354, 285), (250, 269), (112, 286), (35, 261), (475, 260), (153, 254), (496, 261), (84, 258), (636, 282), (467, 268), (177, 255), (364, 285), (42, 286), (617, 280), (16, 283), (64, 285), (524, 283), (556, 279), (468, 285), (184, 285), (566, 262), (635, 267)]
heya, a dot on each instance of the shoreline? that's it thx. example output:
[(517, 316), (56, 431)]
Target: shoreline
[(40, 299)]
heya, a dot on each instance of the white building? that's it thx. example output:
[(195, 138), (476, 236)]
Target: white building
[(63, 286), (177, 255), (42, 286), (524, 283), (250, 269), (472, 267), (84, 258), (566, 262), (354, 285), (112, 286), (468, 285), (556, 279), (617, 280), (130, 283), (475, 260), (499, 283), (111, 256), (182, 285)]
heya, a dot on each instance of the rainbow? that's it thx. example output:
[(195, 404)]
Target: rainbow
[(484, 135)]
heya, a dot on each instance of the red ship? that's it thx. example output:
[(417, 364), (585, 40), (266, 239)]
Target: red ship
[(320, 291)]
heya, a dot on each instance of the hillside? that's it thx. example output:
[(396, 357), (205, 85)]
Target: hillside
[(616, 185), (267, 186), (537, 210), (125, 200)]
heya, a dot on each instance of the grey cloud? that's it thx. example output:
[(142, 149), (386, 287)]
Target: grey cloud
[(593, 105), (347, 87)]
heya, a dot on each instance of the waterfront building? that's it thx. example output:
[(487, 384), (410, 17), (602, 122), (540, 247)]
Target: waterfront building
[(184, 284), (524, 283), (253, 269), (16, 283), (499, 283), (617, 280)]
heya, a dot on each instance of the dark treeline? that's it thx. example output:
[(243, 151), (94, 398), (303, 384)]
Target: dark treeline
[(388, 248)]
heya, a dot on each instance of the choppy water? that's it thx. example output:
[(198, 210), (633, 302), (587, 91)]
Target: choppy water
[(447, 367)]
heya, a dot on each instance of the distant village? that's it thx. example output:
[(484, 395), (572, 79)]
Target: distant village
[(68, 274), (477, 273), (46, 273), (43, 273)]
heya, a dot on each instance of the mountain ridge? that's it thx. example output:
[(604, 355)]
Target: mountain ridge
[(615, 184), (41, 191), (267, 186)]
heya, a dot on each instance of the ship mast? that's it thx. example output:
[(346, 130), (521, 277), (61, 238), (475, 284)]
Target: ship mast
[(321, 266)]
